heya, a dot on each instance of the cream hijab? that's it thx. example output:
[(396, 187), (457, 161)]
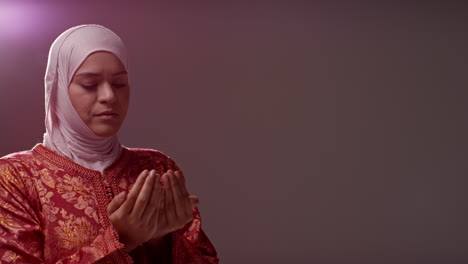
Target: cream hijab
[(66, 133)]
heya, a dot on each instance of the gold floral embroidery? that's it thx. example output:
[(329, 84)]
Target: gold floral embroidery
[(74, 190), (10, 257), (47, 178), (48, 206), (6, 220), (8, 176), (74, 232)]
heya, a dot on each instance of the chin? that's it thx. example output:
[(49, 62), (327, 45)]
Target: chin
[(105, 131)]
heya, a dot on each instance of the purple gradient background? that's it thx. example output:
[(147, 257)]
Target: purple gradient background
[(313, 133)]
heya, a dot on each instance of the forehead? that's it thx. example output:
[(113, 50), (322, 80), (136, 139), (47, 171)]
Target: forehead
[(101, 62)]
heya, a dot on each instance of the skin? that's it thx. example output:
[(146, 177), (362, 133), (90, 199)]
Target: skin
[(101, 84), (156, 205)]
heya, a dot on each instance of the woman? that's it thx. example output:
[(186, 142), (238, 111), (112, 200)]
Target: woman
[(81, 197)]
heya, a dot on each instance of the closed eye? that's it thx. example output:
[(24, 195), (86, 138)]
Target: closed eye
[(89, 86), (119, 85)]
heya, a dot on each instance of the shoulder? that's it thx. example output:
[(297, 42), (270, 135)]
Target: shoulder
[(145, 157), (17, 160), (15, 169)]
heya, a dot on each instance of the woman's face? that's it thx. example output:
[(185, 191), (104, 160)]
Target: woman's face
[(99, 92)]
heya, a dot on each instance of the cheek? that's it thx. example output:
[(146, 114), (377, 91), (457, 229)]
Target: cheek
[(125, 99), (81, 109), (81, 102)]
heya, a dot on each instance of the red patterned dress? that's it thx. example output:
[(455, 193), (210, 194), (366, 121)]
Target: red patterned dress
[(53, 210)]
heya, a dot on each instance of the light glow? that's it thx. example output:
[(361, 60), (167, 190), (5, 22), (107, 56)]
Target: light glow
[(18, 20)]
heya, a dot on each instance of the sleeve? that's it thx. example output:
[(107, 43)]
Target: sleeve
[(191, 245), (21, 237)]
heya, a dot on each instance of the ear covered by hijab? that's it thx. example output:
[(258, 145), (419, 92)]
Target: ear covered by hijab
[(66, 133)]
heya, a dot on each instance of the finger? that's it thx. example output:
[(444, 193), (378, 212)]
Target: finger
[(178, 196), (171, 216), (160, 222), (133, 195), (194, 201), (183, 176), (162, 213), (185, 199), (154, 203), (116, 203), (144, 195), (181, 182)]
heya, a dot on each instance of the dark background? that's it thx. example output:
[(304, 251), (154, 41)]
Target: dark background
[(313, 132)]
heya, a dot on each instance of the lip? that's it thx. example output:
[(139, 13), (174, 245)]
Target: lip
[(107, 115)]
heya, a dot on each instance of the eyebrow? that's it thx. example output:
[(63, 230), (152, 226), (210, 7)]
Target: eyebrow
[(93, 74)]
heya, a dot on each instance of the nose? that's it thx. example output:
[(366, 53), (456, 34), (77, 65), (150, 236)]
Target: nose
[(106, 94)]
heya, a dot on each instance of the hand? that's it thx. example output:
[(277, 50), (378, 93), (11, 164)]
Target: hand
[(136, 217), (194, 201), (177, 205)]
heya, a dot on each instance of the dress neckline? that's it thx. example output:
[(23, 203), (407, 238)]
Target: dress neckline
[(68, 164)]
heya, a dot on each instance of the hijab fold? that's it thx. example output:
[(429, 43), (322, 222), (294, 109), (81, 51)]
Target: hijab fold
[(66, 133)]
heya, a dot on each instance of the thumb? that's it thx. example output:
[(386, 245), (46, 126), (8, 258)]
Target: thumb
[(116, 203), (194, 200)]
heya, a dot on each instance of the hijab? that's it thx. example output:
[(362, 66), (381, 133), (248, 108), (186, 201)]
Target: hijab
[(66, 133)]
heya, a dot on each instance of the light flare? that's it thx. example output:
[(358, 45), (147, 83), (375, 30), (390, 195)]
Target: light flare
[(18, 20)]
